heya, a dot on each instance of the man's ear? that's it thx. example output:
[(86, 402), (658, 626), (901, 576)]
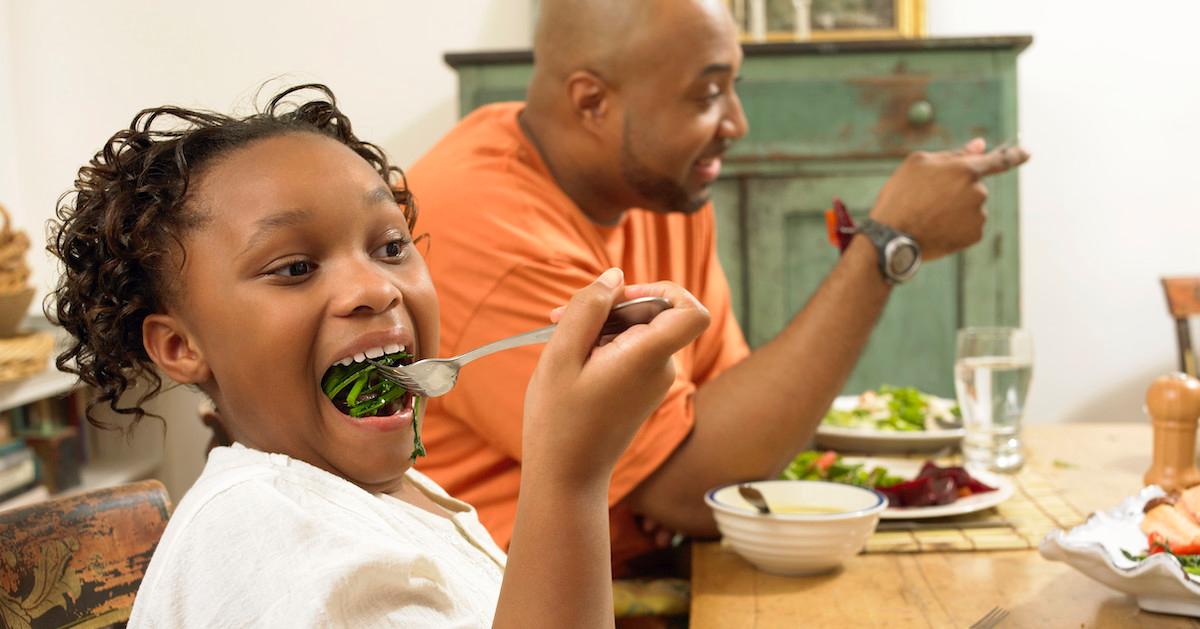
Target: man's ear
[(590, 98), (174, 351)]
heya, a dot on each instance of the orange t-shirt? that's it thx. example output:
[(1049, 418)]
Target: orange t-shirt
[(506, 246)]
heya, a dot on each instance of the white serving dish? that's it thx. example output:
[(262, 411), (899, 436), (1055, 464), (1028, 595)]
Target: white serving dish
[(794, 543), (1158, 582)]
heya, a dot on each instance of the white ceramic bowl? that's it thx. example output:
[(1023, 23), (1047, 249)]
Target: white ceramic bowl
[(797, 543)]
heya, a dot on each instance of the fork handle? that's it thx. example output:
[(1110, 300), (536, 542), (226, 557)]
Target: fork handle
[(533, 337), (622, 317)]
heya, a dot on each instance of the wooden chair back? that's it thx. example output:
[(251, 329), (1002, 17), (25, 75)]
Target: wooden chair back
[(79, 560), (1183, 301)]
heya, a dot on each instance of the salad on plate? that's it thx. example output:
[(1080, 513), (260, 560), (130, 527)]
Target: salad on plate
[(895, 409), (933, 485)]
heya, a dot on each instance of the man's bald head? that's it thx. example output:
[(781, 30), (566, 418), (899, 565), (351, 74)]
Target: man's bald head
[(613, 38)]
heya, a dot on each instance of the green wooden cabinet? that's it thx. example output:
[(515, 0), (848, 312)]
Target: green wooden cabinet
[(834, 119)]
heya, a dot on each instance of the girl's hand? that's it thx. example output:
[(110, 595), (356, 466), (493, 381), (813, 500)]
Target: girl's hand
[(584, 403)]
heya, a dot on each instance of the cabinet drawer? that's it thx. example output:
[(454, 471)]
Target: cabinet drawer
[(800, 109)]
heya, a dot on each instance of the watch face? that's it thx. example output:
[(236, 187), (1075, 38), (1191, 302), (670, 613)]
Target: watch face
[(903, 258)]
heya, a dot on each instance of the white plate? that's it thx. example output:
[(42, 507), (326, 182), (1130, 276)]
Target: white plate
[(1094, 548), (871, 440), (908, 469)]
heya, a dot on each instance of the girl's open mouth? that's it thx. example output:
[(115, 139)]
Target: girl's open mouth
[(356, 389)]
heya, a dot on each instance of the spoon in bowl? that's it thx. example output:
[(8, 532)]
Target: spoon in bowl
[(755, 498)]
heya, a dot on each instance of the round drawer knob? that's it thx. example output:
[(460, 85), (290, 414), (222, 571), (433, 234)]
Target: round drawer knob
[(920, 113)]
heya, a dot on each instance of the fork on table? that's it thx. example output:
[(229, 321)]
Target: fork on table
[(433, 377), (991, 619)]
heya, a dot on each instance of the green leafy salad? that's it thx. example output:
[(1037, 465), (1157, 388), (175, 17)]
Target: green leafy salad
[(358, 390), (896, 409), (814, 465)]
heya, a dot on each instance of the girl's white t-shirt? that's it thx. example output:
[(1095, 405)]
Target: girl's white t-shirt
[(266, 540)]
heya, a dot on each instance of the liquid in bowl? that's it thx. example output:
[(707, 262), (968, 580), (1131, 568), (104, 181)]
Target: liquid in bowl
[(805, 509)]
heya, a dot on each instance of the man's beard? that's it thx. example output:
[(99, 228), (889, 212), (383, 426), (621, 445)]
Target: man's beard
[(660, 192)]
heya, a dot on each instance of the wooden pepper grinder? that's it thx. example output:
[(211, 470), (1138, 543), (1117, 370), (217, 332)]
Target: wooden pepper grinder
[(1174, 405)]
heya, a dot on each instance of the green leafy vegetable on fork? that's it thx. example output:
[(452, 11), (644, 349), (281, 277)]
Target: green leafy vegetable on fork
[(358, 391), (368, 392)]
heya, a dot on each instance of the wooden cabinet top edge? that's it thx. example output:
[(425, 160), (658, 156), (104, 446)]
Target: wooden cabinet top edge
[(1015, 43)]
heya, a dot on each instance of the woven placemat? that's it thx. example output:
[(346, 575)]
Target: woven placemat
[(25, 355), (1035, 508)]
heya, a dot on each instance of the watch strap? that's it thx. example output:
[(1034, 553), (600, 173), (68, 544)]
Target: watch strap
[(839, 226)]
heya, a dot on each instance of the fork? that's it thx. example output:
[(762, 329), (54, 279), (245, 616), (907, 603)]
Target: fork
[(991, 619), (434, 377)]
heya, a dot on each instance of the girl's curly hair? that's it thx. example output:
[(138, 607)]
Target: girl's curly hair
[(119, 233)]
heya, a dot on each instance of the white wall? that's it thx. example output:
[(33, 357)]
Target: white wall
[(74, 71), (83, 68), (8, 151), (1110, 109)]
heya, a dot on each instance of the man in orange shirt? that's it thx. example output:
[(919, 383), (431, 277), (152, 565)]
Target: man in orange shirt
[(609, 163)]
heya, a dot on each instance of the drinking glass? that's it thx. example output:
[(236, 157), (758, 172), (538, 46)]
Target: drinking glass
[(992, 369)]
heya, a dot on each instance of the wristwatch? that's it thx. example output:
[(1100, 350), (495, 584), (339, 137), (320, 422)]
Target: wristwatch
[(899, 255)]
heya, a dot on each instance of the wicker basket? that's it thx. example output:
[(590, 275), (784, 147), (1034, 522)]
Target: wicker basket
[(15, 292), (14, 273), (21, 355)]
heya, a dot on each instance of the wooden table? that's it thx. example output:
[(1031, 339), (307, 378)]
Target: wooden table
[(1095, 466)]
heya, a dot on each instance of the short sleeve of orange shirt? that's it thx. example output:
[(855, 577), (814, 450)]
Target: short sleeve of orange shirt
[(506, 246)]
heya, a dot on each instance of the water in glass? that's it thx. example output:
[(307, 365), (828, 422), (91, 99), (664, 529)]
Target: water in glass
[(991, 379)]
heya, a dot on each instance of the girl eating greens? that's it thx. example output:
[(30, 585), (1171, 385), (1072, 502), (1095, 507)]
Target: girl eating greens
[(261, 258)]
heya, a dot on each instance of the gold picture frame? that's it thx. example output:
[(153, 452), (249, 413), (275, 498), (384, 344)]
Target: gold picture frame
[(776, 20)]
